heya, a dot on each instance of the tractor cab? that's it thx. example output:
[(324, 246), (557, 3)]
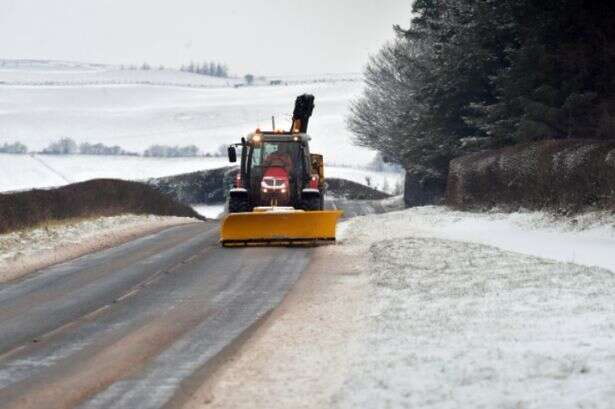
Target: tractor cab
[(276, 169)]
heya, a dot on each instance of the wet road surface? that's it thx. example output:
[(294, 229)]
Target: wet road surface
[(136, 326)]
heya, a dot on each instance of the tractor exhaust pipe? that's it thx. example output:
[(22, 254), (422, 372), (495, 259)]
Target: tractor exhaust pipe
[(304, 105)]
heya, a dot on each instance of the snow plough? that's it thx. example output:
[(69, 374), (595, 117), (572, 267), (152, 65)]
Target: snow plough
[(277, 196)]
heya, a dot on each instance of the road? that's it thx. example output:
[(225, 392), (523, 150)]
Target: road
[(142, 324), (136, 326)]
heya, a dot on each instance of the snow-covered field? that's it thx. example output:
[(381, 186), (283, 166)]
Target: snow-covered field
[(587, 239), (136, 109), (90, 75), (386, 181), (135, 114), (462, 313), (20, 172)]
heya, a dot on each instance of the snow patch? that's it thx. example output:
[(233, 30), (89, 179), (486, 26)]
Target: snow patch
[(587, 239), (458, 324), (455, 323), (28, 250), (41, 171), (210, 211), (137, 116)]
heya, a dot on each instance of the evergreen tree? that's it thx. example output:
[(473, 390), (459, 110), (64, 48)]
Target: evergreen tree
[(205, 69), (219, 70), (557, 81), (499, 72)]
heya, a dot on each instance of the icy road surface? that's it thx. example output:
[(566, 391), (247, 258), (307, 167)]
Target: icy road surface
[(137, 325)]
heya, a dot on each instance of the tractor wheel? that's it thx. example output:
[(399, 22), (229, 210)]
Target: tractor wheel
[(312, 203), (238, 205)]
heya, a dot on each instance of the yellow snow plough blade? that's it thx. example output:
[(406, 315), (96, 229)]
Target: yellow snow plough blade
[(283, 227)]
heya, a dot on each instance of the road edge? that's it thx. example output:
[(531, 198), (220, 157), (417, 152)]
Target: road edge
[(14, 270), (331, 291)]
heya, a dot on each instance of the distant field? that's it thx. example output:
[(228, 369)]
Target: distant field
[(19, 172), (136, 113), (135, 109), (43, 72), (70, 73)]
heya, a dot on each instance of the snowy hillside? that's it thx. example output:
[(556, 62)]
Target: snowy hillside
[(40, 72), (124, 108), (137, 109), (19, 172)]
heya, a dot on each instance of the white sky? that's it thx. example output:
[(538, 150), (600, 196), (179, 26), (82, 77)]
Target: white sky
[(260, 36)]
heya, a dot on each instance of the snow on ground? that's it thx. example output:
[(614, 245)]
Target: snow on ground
[(49, 72), (398, 315), (458, 324), (135, 116), (19, 172), (300, 355), (383, 181), (210, 211), (24, 72), (587, 239), (137, 109), (28, 250)]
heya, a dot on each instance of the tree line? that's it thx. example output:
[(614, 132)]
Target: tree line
[(477, 74), (68, 146), (214, 69)]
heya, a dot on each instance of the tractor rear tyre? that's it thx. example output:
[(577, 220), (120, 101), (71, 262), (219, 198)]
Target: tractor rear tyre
[(312, 203)]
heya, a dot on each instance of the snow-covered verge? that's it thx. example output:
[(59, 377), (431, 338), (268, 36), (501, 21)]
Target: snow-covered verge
[(29, 250), (411, 310), (460, 324), (214, 211), (587, 239), (456, 324)]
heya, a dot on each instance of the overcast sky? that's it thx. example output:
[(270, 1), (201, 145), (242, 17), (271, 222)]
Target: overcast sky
[(260, 36)]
